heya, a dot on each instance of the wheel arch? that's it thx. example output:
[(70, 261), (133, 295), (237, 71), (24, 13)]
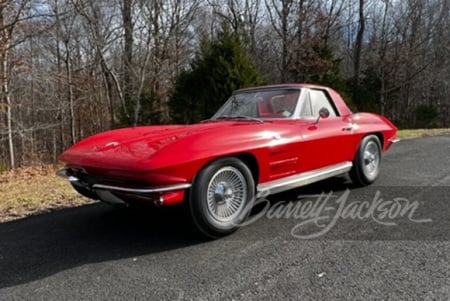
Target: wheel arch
[(380, 137), (252, 163), (247, 158)]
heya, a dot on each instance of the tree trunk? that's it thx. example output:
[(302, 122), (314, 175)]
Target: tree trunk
[(5, 41), (382, 97), (285, 52), (299, 34), (70, 95), (128, 49), (358, 44), (8, 112)]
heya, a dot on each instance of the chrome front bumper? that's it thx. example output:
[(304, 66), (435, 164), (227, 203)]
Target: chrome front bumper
[(112, 193)]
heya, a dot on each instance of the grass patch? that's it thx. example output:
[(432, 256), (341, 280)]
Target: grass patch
[(416, 133), (31, 190)]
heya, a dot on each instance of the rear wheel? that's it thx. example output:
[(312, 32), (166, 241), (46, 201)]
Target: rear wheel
[(366, 164), (221, 197)]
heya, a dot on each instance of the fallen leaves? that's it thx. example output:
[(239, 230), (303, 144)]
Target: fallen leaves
[(34, 190)]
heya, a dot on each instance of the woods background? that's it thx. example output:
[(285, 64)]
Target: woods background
[(72, 68)]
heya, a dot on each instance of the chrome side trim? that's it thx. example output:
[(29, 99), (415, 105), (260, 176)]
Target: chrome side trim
[(395, 140), (142, 191), (304, 178)]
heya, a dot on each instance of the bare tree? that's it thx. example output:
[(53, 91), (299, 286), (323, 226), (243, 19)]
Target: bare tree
[(359, 42), (127, 6), (65, 28), (279, 18), (103, 31), (165, 32), (10, 17), (243, 17)]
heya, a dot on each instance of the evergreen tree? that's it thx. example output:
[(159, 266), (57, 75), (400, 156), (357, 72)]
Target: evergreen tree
[(426, 116), (220, 68), (147, 114)]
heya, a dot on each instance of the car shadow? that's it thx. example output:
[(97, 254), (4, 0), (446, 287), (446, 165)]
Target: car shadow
[(39, 246)]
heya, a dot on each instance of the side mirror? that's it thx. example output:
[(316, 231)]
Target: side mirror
[(323, 113)]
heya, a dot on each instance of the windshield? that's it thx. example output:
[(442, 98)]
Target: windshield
[(260, 104)]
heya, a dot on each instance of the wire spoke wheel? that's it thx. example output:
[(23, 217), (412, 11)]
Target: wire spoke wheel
[(221, 197), (226, 194)]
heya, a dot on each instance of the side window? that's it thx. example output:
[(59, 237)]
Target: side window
[(285, 103), (320, 100), (306, 110)]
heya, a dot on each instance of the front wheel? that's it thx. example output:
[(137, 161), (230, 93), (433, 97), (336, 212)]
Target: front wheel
[(221, 197), (366, 164)]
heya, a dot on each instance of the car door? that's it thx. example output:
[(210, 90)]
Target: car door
[(284, 148), (326, 141)]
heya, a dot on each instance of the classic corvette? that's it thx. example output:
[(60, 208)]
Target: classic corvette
[(262, 140)]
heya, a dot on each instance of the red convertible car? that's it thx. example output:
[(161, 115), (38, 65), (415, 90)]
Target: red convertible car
[(262, 140)]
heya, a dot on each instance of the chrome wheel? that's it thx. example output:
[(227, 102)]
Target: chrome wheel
[(371, 159), (221, 197), (226, 194), (367, 161)]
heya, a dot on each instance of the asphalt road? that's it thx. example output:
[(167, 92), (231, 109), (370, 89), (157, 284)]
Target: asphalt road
[(399, 249)]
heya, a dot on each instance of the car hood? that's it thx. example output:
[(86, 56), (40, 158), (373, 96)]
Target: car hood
[(123, 146)]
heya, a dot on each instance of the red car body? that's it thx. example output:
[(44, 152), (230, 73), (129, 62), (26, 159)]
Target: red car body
[(160, 163)]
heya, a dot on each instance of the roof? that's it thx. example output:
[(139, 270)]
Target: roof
[(283, 86)]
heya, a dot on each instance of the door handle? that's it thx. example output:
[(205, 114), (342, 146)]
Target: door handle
[(348, 128)]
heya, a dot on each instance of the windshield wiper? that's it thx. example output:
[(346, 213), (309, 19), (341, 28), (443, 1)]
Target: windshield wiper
[(240, 117)]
